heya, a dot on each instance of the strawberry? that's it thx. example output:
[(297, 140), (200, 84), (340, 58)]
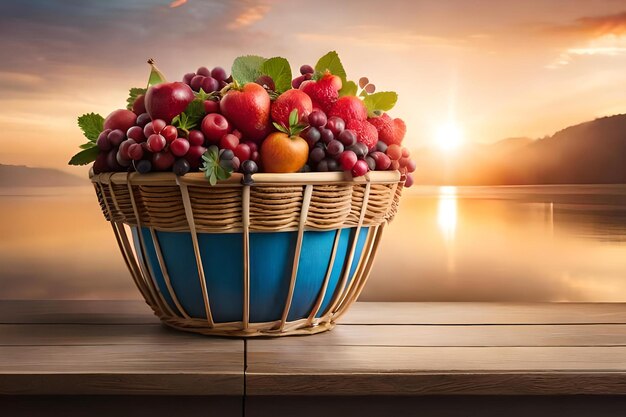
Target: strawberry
[(348, 108), (323, 92), (287, 102), (384, 126), (366, 132), (399, 130)]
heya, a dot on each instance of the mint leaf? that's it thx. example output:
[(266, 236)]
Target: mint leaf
[(87, 145), (85, 156), (133, 93), (293, 117), (381, 101), (91, 124), (349, 89), (330, 62), (279, 70), (247, 68), (191, 117)]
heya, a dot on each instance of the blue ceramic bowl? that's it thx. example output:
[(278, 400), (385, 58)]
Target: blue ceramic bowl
[(271, 262)]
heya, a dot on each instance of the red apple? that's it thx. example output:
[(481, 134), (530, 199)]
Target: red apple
[(120, 119), (214, 126), (248, 110), (168, 100)]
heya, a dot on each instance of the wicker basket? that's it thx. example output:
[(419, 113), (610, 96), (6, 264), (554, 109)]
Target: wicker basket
[(287, 255)]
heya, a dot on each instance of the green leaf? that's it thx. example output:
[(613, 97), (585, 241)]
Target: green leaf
[(91, 124), (330, 62), (383, 101), (191, 117), (213, 171), (293, 118), (85, 157), (247, 68), (133, 93), (279, 69), (280, 128), (87, 145), (349, 89)]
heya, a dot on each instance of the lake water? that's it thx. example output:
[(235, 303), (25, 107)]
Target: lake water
[(528, 243)]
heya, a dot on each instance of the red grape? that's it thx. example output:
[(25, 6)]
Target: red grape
[(404, 161), (229, 141), (170, 133), (112, 161), (394, 166), (382, 160), (196, 138), (336, 125), (242, 151), (236, 163), (253, 146), (237, 133), (121, 160), (155, 126), (143, 119), (123, 151), (317, 119), (179, 146), (211, 106), (360, 168), (394, 152), (100, 164), (136, 133), (156, 142), (162, 161), (347, 159), (194, 155), (411, 166), (135, 151), (405, 152), (103, 143), (408, 181), (254, 156)]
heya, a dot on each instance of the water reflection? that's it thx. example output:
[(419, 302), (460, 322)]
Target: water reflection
[(550, 243), (446, 220)]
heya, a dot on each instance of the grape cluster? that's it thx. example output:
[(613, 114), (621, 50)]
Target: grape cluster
[(307, 73), (207, 80)]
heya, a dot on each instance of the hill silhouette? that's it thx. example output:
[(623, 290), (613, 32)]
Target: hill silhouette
[(593, 152), (23, 176)]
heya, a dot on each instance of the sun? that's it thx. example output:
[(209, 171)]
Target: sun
[(448, 136)]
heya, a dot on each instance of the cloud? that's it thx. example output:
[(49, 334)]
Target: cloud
[(593, 36), (177, 3), (249, 14)]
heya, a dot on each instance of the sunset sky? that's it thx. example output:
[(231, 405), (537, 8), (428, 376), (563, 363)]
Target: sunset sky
[(496, 69)]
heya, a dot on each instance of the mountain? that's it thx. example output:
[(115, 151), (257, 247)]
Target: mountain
[(23, 176), (593, 152)]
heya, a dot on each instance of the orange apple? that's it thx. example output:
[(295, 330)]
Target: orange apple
[(281, 152)]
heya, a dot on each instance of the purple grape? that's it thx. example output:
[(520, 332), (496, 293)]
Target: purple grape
[(347, 137), (219, 74), (317, 119), (187, 77), (204, 71), (249, 167), (181, 167), (316, 155), (322, 166), (295, 83), (143, 167), (210, 84), (326, 135), (116, 137), (196, 82), (312, 136), (381, 146), (334, 148), (359, 149), (371, 163), (103, 143), (112, 161), (226, 154), (143, 119), (236, 163), (333, 165), (306, 69), (267, 82)]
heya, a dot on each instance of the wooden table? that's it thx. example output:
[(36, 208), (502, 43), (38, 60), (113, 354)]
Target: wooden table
[(427, 359)]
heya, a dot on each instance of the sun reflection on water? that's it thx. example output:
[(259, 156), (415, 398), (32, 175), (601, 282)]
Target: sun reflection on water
[(446, 220)]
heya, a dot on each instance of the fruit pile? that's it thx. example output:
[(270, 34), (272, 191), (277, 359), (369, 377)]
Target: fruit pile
[(258, 119)]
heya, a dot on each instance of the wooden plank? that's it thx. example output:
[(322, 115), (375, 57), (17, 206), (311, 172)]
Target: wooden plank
[(438, 406), (454, 335), (385, 370), (366, 313), (122, 405), (76, 311), (88, 335), (212, 367)]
